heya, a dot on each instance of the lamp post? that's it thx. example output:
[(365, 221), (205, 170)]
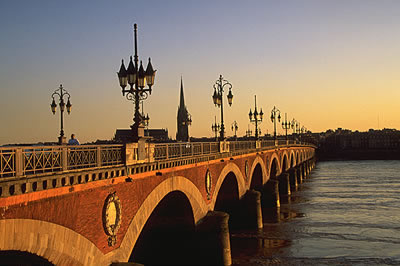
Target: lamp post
[(293, 125), (188, 121), (217, 99), (215, 128), (275, 114), (256, 117), (286, 126), (61, 92), (248, 131), (136, 77), (303, 131), (145, 120), (235, 127)]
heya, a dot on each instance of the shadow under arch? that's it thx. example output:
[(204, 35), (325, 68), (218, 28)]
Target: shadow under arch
[(168, 236), (258, 171), (176, 183), (292, 159), (257, 178), (228, 194), (55, 243), (274, 167), (15, 257), (230, 167), (284, 163)]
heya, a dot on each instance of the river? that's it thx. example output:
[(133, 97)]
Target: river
[(344, 213)]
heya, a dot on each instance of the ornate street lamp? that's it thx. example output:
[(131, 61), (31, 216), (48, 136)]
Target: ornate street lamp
[(256, 117), (145, 120), (286, 125), (275, 115), (137, 78), (293, 125), (217, 99), (215, 128), (303, 131), (248, 132), (235, 127), (61, 92)]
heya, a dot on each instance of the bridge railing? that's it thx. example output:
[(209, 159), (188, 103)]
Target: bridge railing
[(166, 151), (32, 160), (241, 145), (26, 161)]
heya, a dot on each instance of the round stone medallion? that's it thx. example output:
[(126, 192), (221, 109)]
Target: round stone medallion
[(208, 183), (112, 217)]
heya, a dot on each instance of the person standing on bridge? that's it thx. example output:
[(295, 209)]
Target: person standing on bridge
[(73, 140)]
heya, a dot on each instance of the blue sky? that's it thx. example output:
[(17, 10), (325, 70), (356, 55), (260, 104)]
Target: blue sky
[(329, 64)]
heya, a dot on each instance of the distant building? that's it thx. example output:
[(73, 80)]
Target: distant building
[(182, 133), (157, 134), (125, 135)]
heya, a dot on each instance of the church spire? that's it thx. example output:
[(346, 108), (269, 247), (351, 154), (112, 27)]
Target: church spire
[(183, 119), (182, 98)]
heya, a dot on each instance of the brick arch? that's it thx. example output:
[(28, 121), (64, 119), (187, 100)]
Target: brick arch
[(287, 166), (292, 158), (176, 183), (258, 160), (58, 244), (279, 168), (230, 167), (297, 157)]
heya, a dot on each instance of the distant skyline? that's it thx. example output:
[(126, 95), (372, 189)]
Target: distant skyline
[(328, 64)]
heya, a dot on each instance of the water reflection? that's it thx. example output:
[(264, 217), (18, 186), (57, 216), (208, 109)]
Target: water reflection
[(345, 214)]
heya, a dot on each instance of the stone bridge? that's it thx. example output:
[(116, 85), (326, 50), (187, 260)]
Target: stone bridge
[(161, 203)]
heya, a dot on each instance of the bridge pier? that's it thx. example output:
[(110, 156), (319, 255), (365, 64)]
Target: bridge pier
[(284, 184), (251, 210), (270, 194), (293, 179), (214, 245), (306, 168), (299, 175)]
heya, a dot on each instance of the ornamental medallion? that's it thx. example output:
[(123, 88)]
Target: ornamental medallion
[(112, 217), (246, 169), (208, 184)]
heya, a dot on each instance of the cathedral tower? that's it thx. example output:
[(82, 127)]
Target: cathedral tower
[(183, 119)]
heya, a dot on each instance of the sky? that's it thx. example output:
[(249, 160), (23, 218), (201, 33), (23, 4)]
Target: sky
[(328, 64)]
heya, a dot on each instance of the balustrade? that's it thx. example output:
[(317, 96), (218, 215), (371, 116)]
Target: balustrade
[(33, 160)]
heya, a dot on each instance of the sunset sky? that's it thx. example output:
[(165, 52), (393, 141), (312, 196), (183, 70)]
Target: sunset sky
[(328, 64)]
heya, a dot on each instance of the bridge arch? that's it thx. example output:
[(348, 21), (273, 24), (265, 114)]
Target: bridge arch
[(284, 162), (55, 243), (168, 232), (176, 183), (229, 168), (292, 159), (274, 166), (258, 168)]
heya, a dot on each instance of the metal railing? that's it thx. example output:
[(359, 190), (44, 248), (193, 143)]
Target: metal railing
[(241, 145), (166, 151), (32, 160), (7, 162), (16, 162)]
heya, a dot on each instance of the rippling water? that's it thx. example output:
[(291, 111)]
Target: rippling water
[(345, 213)]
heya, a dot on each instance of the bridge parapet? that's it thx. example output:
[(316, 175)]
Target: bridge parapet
[(35, 168), (33, 160)]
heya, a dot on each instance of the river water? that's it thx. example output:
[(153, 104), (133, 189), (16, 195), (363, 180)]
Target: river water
[(344, 213)]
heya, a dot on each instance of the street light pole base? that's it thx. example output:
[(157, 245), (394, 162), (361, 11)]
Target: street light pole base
[(62, 140), (137, 132)]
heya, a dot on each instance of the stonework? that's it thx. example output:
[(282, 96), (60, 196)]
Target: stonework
[(72, 224)]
